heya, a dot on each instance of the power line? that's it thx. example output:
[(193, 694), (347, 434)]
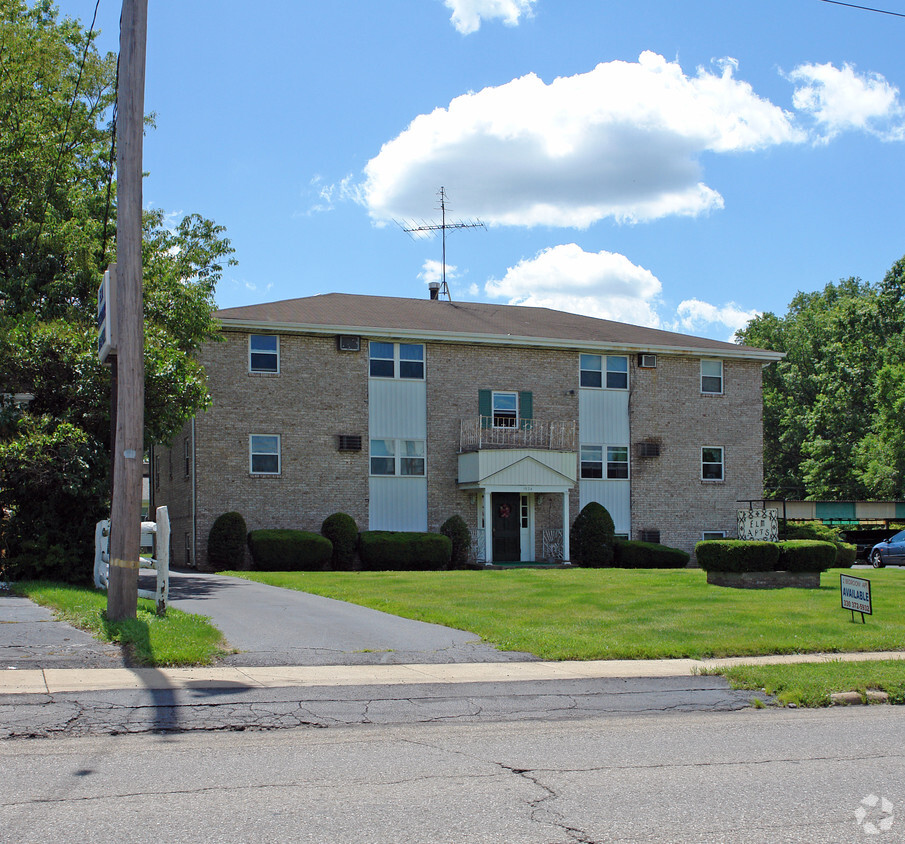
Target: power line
[(865, 8)]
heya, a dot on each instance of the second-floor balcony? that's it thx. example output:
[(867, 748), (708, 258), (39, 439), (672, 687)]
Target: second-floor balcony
[(481, 432)]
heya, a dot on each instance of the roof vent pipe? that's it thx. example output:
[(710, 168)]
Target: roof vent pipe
[(434, 287)]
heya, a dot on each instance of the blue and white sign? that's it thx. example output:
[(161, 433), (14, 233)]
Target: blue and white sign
[(106, 314), (855, 594)]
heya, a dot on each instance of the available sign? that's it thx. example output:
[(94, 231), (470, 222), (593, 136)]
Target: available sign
[(762, 525), (855, 594)]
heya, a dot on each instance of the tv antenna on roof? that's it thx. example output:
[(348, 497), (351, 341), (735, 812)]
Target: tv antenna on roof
[(442, 227)]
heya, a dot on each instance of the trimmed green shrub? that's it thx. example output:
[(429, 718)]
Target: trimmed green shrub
[(386, 550), (460, 536), (226, 542), (593, 536), (805, 555), (648, 555), (845, 555), (289, 550), (813, 530), (342, 531), (736, 555)]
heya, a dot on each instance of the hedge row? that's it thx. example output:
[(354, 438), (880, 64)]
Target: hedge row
[(648, 555), (289, 550), (789, 555), (384, 550)]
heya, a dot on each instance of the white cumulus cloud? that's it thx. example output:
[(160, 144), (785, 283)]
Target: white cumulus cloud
[(467, 14), (697, 317), (433, 271), (566, 278), (840, 99), (621, 141)]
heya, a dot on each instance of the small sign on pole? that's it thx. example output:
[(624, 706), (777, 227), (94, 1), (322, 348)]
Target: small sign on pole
[(758, 524), (855, 595), (106, 314)]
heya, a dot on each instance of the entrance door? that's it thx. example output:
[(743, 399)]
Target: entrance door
[(504, 508)]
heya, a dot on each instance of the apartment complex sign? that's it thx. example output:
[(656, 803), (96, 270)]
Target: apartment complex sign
[(762, 525)]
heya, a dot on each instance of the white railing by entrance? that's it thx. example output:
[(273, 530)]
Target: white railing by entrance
[(478, 433), (553, 545), (478, 546), (155, 536)]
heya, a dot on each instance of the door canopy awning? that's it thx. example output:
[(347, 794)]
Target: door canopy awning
[(518, 470)]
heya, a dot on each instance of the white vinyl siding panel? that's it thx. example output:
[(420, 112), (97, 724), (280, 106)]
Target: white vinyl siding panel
[(398, 504), (603, 416), (397, 409), (614, 495)]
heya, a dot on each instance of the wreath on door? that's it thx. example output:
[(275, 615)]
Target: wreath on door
[(505, 511)]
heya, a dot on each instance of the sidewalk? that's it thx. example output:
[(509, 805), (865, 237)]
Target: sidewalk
[(60, 680)]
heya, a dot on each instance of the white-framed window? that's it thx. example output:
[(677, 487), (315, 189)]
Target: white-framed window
[(505, 410), (401, 458), (712, 377), (396, 360), (711, 463), (610, 371), (264, 454), (264, 353), (617, 462), (708, 535), (610, 462)]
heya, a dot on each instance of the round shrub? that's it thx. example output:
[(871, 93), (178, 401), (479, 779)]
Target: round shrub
[(805, 555), (387, 550), (736, 555), (593, 536), (845, 555), (342, 531), (649, 555), (460, 536), (289, 550), (226, 542)]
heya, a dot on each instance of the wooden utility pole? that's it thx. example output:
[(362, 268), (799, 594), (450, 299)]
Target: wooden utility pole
[(125, 516)]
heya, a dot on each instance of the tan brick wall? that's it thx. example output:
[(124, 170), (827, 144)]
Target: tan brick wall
[(175, 492), (667, 405)]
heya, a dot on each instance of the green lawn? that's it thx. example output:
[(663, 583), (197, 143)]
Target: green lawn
[(621, 614), (175, 639)]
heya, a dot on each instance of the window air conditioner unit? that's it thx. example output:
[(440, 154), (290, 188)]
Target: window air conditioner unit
[(648, 449), (349, 442), (348, 343), (647, 361)]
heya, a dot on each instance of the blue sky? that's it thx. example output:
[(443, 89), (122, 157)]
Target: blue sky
[(682, 165)]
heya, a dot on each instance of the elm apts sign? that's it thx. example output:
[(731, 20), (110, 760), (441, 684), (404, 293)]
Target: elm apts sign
[(106, 314), (760, 524), (855, 595)]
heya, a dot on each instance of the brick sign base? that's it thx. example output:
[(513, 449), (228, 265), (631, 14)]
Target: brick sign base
[(765, 579)]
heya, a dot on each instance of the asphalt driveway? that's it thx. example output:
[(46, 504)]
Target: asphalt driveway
[(272, 626)]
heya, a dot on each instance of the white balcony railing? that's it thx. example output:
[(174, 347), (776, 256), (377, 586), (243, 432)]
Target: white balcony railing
[(480, 432)]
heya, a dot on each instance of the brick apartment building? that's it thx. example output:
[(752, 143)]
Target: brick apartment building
[(403, 412)]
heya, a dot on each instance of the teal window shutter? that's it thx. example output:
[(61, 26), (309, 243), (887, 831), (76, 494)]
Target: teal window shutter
[(526, 410), (485, 408)]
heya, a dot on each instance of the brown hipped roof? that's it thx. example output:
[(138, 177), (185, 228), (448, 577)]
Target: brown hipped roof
[(387, 316)]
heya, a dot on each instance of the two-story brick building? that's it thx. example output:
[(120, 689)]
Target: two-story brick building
[(403, 412)]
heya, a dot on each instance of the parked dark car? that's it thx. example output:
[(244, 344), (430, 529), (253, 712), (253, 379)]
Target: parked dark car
[(889, 552)]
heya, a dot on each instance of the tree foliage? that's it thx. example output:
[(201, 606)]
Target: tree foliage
[(834, 407), (57, 235)]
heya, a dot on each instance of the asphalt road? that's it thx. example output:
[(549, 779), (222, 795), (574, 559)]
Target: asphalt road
[(772, 775)]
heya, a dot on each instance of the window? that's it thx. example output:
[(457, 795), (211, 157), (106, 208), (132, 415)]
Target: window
[(156, 472), (186, 457), (709, 535), (188, 549), (396, 360), (617, 462), (591, 461), (505, 410), (712, 377), (711, 463), (524, 510), (403, 458), (610, 371), (264, 454), (263, 353)]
